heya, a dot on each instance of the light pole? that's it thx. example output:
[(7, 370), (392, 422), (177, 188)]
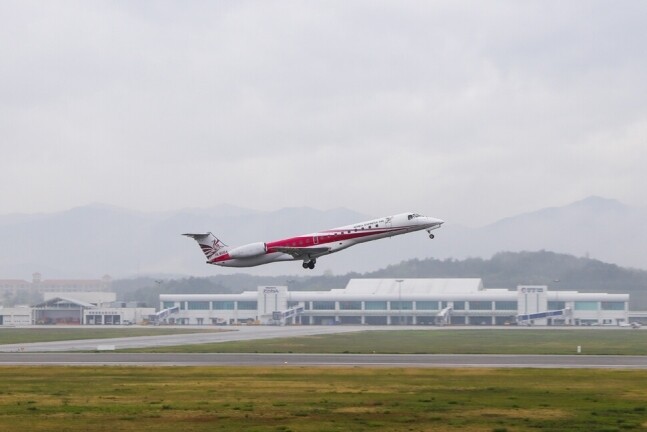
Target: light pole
[(399, 281)]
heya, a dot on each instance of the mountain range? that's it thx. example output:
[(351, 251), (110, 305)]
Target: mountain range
[(98, 239)]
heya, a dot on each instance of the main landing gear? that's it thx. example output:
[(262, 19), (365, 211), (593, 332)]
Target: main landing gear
[(309, 264)]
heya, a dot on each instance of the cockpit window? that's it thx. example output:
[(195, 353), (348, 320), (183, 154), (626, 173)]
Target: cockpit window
[(412, 216)]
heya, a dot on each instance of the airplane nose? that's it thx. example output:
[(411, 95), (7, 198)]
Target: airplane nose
[(436, 221)]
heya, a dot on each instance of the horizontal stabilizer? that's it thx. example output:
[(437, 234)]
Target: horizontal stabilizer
[(197, 237)]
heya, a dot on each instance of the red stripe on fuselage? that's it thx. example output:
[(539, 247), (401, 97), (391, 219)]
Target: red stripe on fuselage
[(221, 258), (331, 236), (323, 238)]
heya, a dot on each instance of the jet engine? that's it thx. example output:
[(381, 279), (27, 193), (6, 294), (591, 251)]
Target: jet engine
[(248, 250)]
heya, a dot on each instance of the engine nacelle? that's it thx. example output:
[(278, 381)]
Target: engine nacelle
[(248, 250)]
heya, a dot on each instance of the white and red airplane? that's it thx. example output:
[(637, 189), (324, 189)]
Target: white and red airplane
[(309, 247)]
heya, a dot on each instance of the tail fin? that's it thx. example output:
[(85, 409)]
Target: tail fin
[(209, 244)]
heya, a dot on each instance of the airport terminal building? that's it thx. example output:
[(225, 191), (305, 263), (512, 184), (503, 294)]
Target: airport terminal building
[(399, 302)]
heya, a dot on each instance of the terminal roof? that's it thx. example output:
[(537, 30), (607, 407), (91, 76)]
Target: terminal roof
[(414, 286)]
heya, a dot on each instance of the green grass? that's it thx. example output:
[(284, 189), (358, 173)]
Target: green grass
[(451, 341), (320, 399), (18, 335)]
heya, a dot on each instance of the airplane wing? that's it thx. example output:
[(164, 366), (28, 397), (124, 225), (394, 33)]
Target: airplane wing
[(302, 252)]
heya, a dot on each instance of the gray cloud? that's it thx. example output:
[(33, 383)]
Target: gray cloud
[(468, 111)]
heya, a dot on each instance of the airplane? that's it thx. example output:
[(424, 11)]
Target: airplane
[(309, 247)]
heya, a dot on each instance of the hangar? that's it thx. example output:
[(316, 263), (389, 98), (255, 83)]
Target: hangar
[(92, 308), (15, 316), (456, 301)]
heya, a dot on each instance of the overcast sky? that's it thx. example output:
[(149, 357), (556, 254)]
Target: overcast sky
[(468, 111)]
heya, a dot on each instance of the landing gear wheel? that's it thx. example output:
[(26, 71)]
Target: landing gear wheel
[(311, 265), (305, 265), (431, 236)]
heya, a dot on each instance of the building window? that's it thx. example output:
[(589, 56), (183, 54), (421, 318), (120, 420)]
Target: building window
[(586, 305), (480, 305), (457, 319), (506, 305), (323, 305), (402, 305), (198, 305), (375, 305), (350, 319), (458, 305), (480, 320), (555, 305), (292, 304), (427, 305), (503, 320), (168, 305), (223, 305), (247, 305), (350, 305), (617, 306)]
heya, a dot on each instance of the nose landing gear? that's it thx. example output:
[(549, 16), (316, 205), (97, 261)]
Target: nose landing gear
[(432, 227)]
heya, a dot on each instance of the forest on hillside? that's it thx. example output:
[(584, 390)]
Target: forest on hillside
[(559, 272)]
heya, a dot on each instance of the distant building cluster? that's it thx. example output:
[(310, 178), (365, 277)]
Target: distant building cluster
[(20, 291), (66, 301), (87, 308), (453, 301)]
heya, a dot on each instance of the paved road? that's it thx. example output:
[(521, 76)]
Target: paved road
[(348, 360), (238, 334)]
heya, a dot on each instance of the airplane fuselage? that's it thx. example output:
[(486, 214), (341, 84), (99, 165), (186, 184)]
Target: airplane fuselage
[(309, 247)]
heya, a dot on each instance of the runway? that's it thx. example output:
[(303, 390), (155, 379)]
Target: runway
[(242, 333), (327, 360), (67, 353)]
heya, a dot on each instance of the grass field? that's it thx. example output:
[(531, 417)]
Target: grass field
[(320, 399), (487, 341), (18, 335)]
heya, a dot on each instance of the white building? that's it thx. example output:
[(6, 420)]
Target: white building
[(400, 302), (117, 315), (19, 291), (15, 316), (99, 308)]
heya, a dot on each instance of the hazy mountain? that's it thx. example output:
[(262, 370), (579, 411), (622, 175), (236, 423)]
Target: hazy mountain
[(99, 239), (600, 228)]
